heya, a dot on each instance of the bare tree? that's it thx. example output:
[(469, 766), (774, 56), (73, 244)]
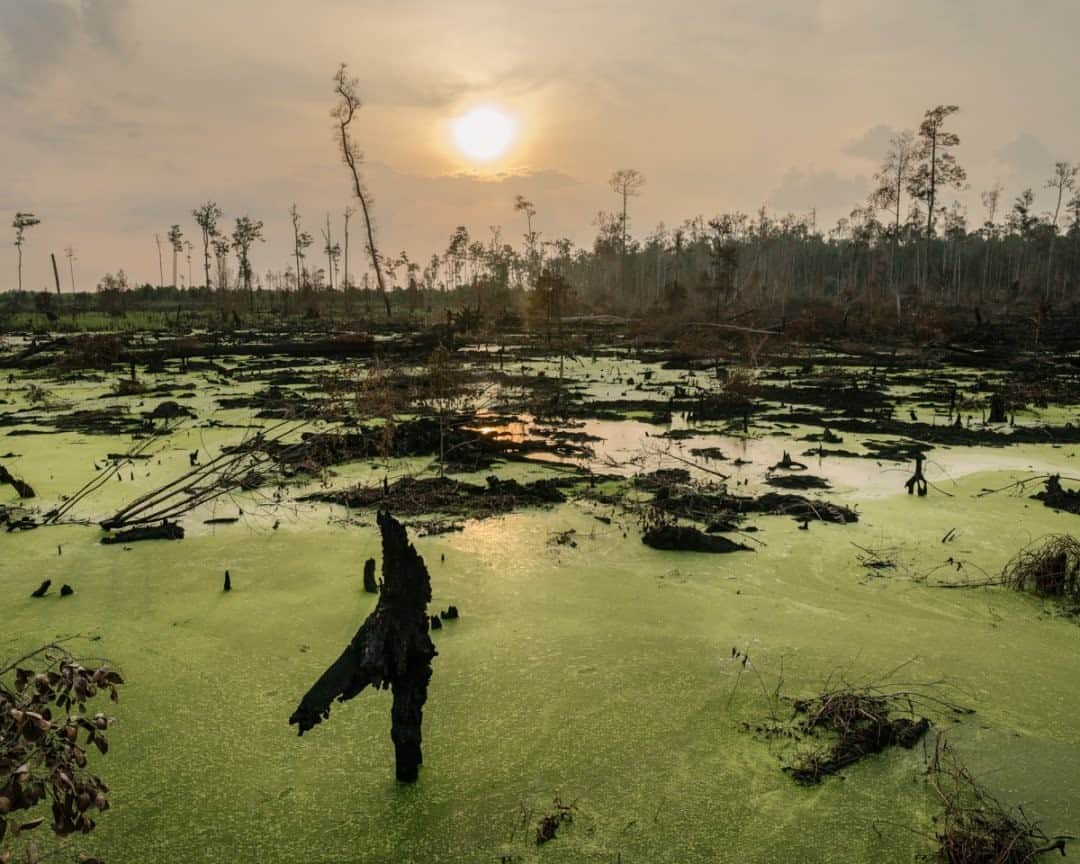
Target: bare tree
[(20, 224), (936, 169), (294, 214), (69, 253), (344, 113), (160, 263), (1064, 180), (346, 284), (331, 251), (206, 217)]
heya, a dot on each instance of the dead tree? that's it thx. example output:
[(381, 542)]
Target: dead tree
[(392, 649), (917, 481)]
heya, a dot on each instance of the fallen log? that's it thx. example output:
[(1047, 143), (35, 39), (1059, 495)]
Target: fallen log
[(21, 487), (163, 531)]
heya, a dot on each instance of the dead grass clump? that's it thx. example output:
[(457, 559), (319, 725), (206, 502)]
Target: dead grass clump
[(975, 827), (1051, 569)]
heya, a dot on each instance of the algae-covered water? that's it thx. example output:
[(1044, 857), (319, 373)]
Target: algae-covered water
[(600, 674)]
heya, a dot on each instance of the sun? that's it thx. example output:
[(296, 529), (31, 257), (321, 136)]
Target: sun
[(483, 133)]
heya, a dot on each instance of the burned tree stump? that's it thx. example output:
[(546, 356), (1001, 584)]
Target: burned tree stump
[(917, 482), (997, 409), (370, 585), (788, 464), (392, 649)]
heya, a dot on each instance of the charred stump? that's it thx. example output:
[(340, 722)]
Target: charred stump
[(370, 585), (1057, 497), (392, 649), (917, 481), (788, 464), (997, 409)]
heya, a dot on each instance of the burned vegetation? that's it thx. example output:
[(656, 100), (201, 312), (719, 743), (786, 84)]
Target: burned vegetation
[(845, 723)]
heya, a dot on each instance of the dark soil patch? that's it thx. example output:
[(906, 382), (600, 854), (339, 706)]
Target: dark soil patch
[(706, 506), (798, 481), (685, 538), (415, 497)]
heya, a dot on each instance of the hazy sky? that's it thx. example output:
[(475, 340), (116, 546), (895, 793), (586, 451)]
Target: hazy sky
[(119, 116)]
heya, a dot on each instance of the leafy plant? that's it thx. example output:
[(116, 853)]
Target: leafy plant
[(46, 733)]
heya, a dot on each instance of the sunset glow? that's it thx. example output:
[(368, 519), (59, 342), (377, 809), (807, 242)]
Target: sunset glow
[(483, 133)]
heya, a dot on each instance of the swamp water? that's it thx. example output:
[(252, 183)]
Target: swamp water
[(599, 673)]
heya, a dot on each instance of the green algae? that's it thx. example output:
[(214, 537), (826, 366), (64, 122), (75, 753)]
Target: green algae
[(600, 673)]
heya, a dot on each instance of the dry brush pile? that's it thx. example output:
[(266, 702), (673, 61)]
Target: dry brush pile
[(1050, 569)]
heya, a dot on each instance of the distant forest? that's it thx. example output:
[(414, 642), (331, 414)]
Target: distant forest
[(909, 247)]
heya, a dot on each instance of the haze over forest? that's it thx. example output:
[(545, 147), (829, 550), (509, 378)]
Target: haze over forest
[(121, 116)]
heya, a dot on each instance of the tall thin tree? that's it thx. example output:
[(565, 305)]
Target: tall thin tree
[(892, 178), (160, 262), (627, 183), (936, 169), (246, 232), (206, 217), (344, 113), (991, 200), (1064, 180), (328, 248), (176, 239), (21, 223), (69, 253), (346, 284)]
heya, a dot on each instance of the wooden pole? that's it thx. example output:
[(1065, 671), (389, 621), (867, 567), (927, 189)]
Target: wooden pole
[(56, 273)]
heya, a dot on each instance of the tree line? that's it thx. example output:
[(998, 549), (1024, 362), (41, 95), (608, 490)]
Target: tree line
[(910, 242)]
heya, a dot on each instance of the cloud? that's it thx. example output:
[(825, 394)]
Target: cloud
[(1027, 159), (35, 34), (873, 143), (824, 190), (107, 23), (782, 15), (40, 35)]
